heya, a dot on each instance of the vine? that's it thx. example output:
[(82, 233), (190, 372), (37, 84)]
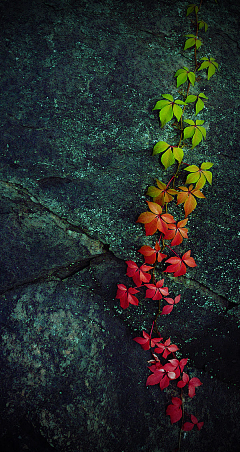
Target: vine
[(171, 232)]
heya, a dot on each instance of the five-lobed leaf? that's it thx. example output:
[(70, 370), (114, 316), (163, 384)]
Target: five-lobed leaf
[(138, 274), (178, 266), (187, 196), (155, 220), (176, 232), (162, 194), (169, 108), (192, 41), (202, 24), (194, 131), (198, 99), (210, 64), (183, 75), (199, 175), (152, 254), (170, 153), (126, 296), (192, 8)]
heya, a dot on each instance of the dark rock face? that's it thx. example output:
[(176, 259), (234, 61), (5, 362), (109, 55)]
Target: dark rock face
[(78, 84)]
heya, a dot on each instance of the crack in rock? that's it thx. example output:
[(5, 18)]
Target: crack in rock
[(190, 283)]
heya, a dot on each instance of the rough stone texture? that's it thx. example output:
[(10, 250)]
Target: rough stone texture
[(78, 84)]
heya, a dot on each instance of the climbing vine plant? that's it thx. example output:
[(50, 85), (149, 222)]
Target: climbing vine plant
[(182, 111)]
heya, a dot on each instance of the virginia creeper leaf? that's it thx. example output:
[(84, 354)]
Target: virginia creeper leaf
[(183, 75), (210, 64), (169, 108), (166, 348), (155, 220), (192, 8), (198, 99), (146, 342), (170, 153), (126, 296), (202, 24), (177, 232), (187, 426), (186, 196), (168, 308), (175, 410), (138, 274), (199, 175), (178, 266), (192, 41), (151, 254), (156, 291), (162, 194), (195, 130), (192, 384)]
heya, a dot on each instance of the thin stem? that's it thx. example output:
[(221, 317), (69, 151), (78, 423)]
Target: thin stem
[(173, 251), (180, 432)]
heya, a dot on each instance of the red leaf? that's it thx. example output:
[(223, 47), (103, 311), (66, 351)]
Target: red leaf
[(175, 410), (151, 254), (178, 266), (138, 274), (156, 291), (154, 378), (155, 220), (146, 342), (126, 296), (166, 348), (167, 309), (187, 426), (193, 383)]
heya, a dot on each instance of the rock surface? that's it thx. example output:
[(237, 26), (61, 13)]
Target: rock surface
[(78, 84)]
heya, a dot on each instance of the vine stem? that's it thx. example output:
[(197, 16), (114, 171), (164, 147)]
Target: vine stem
[(180, 432), (173, 251)]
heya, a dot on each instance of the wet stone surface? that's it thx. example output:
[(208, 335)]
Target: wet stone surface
[(79, 80)]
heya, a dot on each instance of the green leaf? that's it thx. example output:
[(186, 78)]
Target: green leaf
[(190, 98), (198, 43), (192, 178), (166, 114), (188, 132), (210, 64), (177, 111), (168, 96), (180, 102), (202, 130), (178, 153), (160, 104), (202, 24), (196, 131), (191, 168), (189, 121), (199, 105), (182, 78), (153, 192), (206, 165), (161, 146), (167, 158), (189, 43), (192, 8), (199, 175), (197, 137), (191, 77), (184, 74)]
